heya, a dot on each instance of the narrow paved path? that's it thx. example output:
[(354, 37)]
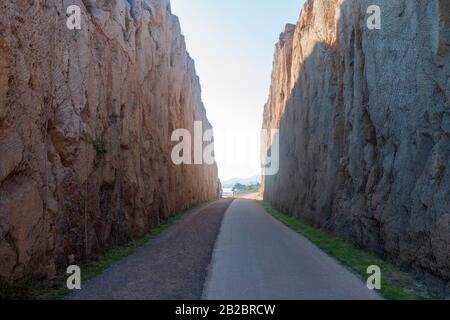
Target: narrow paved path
[(257, 257), (226, 250), (172, 267)]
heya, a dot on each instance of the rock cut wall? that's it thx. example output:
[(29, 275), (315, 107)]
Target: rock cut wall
[(364, 119), (86, 118)]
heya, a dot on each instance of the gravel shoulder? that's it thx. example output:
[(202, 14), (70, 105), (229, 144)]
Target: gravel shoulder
[(172, 267)]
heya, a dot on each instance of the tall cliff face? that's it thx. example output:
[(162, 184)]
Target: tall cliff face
[(86, 118), (364, 119)]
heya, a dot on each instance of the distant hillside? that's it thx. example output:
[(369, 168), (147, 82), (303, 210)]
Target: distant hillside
[(245, 181)]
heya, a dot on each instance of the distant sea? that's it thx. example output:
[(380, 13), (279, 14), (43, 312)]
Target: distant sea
[(227, 192)]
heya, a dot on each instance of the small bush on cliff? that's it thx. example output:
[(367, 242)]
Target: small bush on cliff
[(127, 23), (98, 143)]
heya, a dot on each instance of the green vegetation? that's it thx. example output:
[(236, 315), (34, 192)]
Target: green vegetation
[(56, 288), (127, 22), (238, 187), (395, 284), (98, 143)]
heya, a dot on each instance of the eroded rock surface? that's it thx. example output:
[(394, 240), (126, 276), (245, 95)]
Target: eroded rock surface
[(364, 119), (86, 118)]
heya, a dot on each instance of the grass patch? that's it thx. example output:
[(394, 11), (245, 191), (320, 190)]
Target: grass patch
[(56, 289), (127, 23), (356, 259)]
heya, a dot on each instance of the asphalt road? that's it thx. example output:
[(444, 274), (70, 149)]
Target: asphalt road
[(257, 257), (226, 250)]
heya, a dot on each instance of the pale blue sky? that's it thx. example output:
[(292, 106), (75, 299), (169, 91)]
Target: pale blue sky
[(232, 43)]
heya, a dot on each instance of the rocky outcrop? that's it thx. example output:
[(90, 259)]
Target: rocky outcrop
[(364, 119), (86, 118)]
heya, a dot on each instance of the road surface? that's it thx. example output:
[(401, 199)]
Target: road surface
[(230, 249), (259, 258)]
